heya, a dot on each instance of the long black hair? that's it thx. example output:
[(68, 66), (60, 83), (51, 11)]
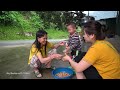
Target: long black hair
[(94, 27), (40, 33)]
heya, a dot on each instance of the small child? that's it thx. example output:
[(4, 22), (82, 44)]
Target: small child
[(74, 42)]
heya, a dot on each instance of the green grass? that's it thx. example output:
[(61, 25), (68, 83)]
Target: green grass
[(10, 33), (57, 34)]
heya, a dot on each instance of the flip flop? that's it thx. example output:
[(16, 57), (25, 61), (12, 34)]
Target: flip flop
[(38, 74)]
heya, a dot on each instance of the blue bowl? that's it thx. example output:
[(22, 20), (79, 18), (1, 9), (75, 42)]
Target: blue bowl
[(62, 69)]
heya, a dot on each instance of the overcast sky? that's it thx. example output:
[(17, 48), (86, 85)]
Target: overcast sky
[(101, 14)]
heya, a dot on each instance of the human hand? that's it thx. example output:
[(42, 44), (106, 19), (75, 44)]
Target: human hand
[(57, 56), (66, 58), (66, 45), (67, 50), (62, 43)]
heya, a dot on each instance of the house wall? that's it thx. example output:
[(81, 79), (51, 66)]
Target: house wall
[(111, 23), (114, 25), (110, 18), (118, 25)]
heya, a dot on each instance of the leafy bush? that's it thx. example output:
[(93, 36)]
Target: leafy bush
[(18, 19)]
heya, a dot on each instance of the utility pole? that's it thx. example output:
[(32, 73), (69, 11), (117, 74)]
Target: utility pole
[(88, 13)]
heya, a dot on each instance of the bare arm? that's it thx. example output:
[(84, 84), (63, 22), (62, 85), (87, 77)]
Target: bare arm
[(59, 44), (79, 67), (43, 60), (49, 58)]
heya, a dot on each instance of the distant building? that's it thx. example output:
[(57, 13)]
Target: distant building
[(101, 14), (109, 18)]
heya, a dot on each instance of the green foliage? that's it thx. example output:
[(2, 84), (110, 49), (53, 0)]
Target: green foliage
[(57, 34), (40, 19), (79, 29), (35, 20), (22, 19), (31, 21), (10, 33), (19, 20), (60, 18)]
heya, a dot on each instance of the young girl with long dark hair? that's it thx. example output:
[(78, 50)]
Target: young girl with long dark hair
[(38, 52)]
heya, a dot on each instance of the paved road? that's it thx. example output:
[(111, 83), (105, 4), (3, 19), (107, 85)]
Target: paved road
[(24, 42), (14, 64), (10, 66)]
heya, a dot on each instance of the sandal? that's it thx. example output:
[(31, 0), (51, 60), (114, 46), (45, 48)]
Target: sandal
[(38, 74)]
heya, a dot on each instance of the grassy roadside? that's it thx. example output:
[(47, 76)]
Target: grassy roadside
[(10, 33)]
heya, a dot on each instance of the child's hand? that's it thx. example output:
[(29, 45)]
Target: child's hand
[(67, 50), (66, 45), (62, 43)]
